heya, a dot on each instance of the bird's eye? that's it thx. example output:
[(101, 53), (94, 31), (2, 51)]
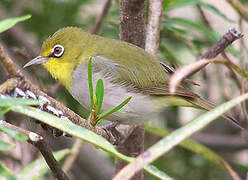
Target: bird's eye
[(58, 50)]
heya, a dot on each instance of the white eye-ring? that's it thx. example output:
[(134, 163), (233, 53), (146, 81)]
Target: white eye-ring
[(58, 50)]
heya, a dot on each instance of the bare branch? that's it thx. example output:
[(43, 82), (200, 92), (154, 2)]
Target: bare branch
[(152, 29), (216, 49), (8, 64), (98, 23), (75, 150), (242, 10), (50, 160)]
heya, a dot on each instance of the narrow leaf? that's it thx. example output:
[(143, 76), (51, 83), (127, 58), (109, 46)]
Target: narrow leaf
[(90, 82), (173, 4), (121, 111), (99, 95), (112, 110), (211, 35), (215, 10), (5, 173), (5, 102), (190, 26), (8, 23), (177, 136), (196, 148), (81, 133), (5, 145), (14, 134), (4, 110)]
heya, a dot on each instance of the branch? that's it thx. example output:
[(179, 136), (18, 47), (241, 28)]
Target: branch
[(189, 69), (152, 29), (8, 64), (20, 81), (39, 142), (75, 150), (222, 143), (132, 21), (98, 23), (132, 30), (242, 10)]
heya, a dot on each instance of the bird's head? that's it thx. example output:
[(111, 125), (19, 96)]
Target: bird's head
[(61, 52)]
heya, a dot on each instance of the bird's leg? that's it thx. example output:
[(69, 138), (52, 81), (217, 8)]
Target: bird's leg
[(115, 136)]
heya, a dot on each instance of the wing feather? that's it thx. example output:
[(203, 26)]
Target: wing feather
[(127, 76)]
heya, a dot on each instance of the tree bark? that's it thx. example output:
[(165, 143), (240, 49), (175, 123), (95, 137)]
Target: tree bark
[(133, 30)]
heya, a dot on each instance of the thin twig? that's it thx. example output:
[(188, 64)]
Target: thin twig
[(223, 143), (204, 17), (152, 29), (186, 71), (243, 104), (207, 22), (235, 77), (39, 142), (13, 70), (50, 160), (241, 8), (101, 17), (224, 41), (75, 150)]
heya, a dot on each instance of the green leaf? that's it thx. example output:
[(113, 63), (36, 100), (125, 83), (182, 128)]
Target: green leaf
[(121, 111), (8, 23), (90, 82), (194, 147), (4, 110), (177, 136), (6, 102), (39, 167), (112, 110), (5, 173), (173, 4), (81, 133), (14, 134), (99, 95), (215, 10), (212, 36), (5, 145)]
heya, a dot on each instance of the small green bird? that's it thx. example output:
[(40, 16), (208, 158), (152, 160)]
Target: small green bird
[(126, 70)]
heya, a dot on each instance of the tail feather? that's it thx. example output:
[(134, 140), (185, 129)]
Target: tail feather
[(204, 104)]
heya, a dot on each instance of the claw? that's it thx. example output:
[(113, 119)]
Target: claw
[(115, 136)]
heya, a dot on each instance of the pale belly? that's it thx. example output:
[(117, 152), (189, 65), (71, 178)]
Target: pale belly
[(139, 109)]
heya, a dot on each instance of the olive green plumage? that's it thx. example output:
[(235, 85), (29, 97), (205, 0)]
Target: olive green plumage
[(124, 68)]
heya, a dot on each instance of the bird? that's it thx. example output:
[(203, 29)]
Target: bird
[(126, 70)]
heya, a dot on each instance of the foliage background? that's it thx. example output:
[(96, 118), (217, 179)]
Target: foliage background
[(182, 41)]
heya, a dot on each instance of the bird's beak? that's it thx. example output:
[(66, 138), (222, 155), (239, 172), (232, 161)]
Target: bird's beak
[(37, 60)]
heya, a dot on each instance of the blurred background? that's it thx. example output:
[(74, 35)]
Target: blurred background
[(187, 31)]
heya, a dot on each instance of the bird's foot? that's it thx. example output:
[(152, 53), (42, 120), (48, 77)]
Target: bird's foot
[(115, 136)]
